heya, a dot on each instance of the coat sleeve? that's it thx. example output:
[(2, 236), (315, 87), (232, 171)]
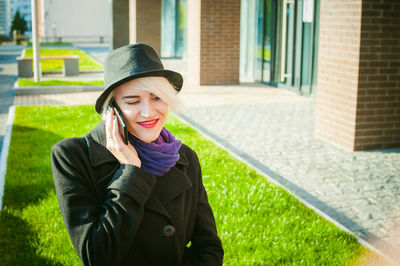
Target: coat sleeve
[(206, 247), (101, 232)]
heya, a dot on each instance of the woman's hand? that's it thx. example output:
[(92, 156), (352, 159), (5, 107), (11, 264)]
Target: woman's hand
[(125, 154)]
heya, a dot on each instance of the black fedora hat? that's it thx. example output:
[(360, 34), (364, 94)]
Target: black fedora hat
[(131, 62)]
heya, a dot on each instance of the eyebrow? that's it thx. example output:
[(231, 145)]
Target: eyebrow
[(131, 96), (134, 96)]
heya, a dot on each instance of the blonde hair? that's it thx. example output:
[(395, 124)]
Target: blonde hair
[(158, 86)]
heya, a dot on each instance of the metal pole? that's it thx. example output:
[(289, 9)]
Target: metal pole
[(35, 42)]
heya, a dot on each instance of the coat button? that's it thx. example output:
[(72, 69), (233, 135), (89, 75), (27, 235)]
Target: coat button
[(168, 230)]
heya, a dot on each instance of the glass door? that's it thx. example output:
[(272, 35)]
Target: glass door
[(173, 28), (251, 40), (284, 52), (269, 37), (296, 45), (310, 25), (278, 43), (168, 22)]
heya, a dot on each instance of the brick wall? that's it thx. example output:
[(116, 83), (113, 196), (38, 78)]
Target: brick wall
[(213, 41), (378, 101), (120, 23), (135, 21), (148, 23), (338, 59), (358, 98)]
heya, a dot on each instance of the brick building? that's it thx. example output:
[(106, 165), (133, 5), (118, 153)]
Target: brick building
[(359, 74), (4, 18), (345, 53)]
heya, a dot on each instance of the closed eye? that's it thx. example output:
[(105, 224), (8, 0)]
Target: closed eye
[(131, 99), (132, 102)]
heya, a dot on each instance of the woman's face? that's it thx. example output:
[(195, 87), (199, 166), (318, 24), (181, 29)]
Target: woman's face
[(145, 114)]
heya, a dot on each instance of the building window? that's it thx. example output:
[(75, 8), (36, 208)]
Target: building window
[(173, 28)]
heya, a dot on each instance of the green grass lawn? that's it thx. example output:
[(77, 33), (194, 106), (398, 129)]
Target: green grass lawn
[(55, 82), (85, 61), (258, 222)]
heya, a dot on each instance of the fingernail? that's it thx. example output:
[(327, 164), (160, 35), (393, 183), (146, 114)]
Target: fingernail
[(113, 117), (107, 108)]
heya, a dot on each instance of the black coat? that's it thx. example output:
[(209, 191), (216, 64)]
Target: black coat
[(122, 215)]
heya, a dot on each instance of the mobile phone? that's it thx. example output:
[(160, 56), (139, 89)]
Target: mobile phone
[(122, 125)]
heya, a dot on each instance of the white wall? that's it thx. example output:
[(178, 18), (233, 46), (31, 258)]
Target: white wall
[(76, 20)]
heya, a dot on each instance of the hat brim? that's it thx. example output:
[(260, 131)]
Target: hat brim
[(173, 77)]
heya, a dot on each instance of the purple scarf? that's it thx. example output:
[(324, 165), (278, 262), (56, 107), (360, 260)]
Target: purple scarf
[(159, 156)]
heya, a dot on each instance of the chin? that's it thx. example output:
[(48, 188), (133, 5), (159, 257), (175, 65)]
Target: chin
[(148, 140), (147, 136)]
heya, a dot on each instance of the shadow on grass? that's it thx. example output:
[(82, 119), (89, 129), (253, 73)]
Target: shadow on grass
[(18, 197), (28, 181), (29, 176), (18, 242)]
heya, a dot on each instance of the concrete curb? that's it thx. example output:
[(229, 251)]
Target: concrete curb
[(80, 72), (295, 191), (4, 151), (34, 90)]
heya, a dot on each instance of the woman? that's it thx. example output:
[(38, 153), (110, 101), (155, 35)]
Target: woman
[(140, 203)]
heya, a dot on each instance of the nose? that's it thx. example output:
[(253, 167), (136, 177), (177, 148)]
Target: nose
[(148, 109)]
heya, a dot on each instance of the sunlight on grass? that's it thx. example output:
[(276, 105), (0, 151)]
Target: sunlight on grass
[(258, 222), (56, 82), (85, 61)]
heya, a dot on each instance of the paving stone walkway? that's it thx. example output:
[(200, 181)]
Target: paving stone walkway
[(273, 130), (360, 190), (8, 72)]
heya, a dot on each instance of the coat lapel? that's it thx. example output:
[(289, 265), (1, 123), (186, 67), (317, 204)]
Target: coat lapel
[(169, 187), (98, 153)]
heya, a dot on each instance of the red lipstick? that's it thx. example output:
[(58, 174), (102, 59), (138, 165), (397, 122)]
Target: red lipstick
[(149, 123)]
